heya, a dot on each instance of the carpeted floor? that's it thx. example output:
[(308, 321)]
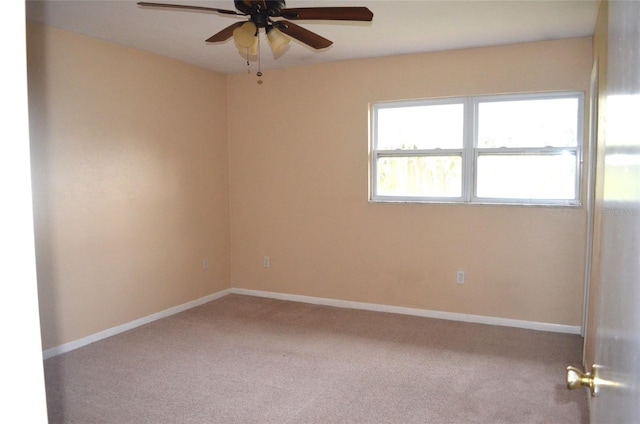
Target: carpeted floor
[(242, 359)]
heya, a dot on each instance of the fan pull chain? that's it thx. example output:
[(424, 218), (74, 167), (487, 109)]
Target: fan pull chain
[(259, 73)]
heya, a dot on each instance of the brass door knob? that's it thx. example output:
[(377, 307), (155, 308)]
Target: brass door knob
[(577, 379)]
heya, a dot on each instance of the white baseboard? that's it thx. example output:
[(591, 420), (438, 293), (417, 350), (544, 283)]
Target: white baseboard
[(452, 316), (67, 347)]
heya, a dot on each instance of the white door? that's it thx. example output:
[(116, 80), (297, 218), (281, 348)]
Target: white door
[(617, 355)]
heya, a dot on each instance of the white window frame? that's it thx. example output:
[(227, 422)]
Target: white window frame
[(470, 150)]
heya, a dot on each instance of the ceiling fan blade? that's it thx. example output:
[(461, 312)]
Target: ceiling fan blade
[(184, 6), (304, 35), (329, 13), (225, 34)]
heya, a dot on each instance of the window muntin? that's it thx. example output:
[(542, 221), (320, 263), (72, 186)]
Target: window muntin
[(522, 149)]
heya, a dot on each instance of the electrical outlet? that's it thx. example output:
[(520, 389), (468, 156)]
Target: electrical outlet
[(460, 277), (266, 262), (205, 264)]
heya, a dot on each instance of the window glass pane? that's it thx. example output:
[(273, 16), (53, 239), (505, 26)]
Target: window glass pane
[(550, 177), (528, 123), (434, 176), (420, 127)]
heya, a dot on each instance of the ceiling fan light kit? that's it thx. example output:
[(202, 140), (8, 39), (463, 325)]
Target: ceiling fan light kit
[(278, 32), (245, 37), (277, 40)]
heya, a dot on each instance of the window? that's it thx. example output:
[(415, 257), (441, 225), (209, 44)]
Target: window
[(523, 149)]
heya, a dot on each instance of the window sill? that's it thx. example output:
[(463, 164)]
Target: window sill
[(570, 205)]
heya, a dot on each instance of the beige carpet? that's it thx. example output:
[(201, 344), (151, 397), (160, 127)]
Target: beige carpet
[(243, 359)]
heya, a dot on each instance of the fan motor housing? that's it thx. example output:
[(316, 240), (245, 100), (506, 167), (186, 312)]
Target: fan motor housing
[(253, 7)]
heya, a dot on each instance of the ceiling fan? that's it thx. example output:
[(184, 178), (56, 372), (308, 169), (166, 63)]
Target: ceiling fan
[(261, 14)]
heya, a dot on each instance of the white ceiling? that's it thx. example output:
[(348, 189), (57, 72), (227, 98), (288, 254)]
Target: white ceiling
[(398, 27)]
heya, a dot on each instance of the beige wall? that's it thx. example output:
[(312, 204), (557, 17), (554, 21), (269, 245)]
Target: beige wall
[(144, 166), (298, 149), (130, 179)]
